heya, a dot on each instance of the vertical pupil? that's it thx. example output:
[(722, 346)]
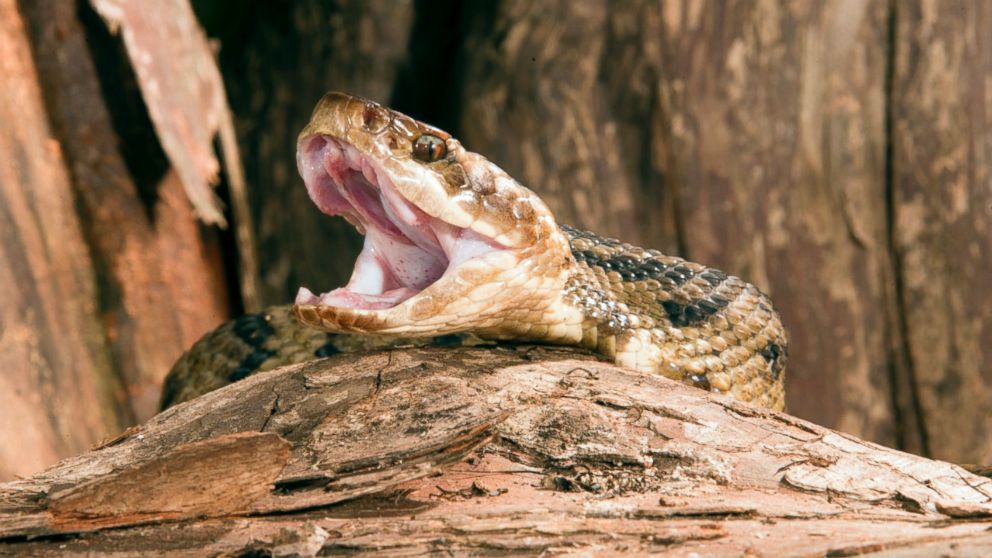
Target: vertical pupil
[(428, 148)]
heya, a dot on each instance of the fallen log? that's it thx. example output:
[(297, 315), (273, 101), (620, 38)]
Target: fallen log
[(487, 450)]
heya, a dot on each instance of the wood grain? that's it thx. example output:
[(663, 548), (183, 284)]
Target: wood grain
[(777, 128), (942, 209), (524, 450), (533, 104), (58, 393), (740, 135), (146, 246)]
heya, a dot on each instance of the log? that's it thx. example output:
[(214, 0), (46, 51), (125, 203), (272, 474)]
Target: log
[(506, 450)]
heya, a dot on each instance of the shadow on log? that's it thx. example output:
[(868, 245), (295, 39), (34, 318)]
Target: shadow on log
[(521, 450)]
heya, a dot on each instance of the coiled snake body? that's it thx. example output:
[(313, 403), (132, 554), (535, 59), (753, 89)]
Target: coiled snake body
[(454, 245)]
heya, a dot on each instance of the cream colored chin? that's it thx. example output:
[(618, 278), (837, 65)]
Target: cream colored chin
[(466, 297)]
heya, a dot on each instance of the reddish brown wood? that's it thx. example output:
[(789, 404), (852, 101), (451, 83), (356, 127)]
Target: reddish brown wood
[(58, 394), (478, 451), (181, 86), (159, 273)]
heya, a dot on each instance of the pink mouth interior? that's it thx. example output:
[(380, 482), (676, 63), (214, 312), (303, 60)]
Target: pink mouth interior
[(406, 250)]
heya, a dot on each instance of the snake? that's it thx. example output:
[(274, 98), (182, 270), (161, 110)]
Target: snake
[(458, 252)]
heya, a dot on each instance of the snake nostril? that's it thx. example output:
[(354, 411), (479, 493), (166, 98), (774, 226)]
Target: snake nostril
[(374, 117)]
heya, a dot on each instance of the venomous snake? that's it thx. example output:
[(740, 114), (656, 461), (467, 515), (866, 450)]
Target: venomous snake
[(454, 245)]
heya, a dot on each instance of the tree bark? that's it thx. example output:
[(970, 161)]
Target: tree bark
[(58, 393), (744, 136), (942, 214), (521, 450), (778, 144), (106, 276), (138, 223)]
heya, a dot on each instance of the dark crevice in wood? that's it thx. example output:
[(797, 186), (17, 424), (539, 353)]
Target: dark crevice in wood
[(672, 180), (230, 255), (907, 411)]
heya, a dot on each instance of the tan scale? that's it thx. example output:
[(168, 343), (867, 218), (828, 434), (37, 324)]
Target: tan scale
[(547, 283)]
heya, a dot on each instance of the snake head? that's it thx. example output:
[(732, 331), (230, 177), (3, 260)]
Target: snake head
[(452, 243)]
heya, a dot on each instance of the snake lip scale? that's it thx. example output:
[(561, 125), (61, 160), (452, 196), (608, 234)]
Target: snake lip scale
[(454, 245)]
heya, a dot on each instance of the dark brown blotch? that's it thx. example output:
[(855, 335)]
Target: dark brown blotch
[(775, 355), (253, 329), (249, 365)]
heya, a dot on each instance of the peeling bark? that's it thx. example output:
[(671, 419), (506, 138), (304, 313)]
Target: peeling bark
[(522, 450), (164, 41)]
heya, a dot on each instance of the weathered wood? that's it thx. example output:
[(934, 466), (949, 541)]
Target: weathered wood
[(523, 450), (146, 246), (165, 42), (183, 92), (942, 210), (58, 394)]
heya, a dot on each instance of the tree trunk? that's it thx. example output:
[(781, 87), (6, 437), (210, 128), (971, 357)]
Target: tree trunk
[(942, 216), (488, 451), (58, 394), (105, 275)]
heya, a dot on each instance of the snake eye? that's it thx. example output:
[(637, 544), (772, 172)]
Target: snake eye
[(429, 148)]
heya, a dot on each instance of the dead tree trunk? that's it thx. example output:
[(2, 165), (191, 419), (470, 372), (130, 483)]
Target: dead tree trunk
[(488, 451)]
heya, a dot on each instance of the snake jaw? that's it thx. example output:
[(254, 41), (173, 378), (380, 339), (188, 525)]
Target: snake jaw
[(448, 244)]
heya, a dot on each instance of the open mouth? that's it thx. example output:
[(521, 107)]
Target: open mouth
[(406, 250)]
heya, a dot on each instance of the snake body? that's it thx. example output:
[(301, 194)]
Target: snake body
[(455, 246)]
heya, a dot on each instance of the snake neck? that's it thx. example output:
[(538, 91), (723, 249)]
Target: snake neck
[(684, 320)]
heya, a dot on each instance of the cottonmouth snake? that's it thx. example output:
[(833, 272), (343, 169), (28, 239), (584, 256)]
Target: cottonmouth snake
[(453, 244)]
